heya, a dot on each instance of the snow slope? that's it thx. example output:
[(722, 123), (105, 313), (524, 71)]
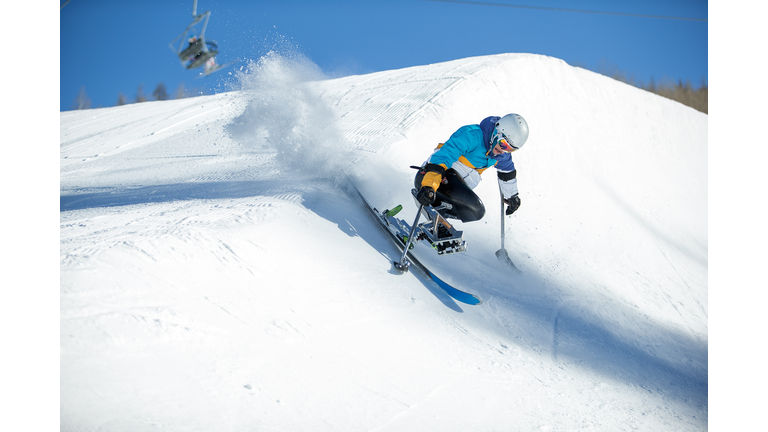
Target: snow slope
[(217, 273)]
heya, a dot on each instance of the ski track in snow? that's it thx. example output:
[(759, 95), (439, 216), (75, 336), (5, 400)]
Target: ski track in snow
[(209, 280)]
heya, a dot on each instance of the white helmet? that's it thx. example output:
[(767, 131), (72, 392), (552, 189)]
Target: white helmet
[(513, 128)]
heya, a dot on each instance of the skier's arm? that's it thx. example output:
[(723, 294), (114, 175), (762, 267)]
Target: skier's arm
[(508, 183), (459, 144), (448, 153), (508, 186)]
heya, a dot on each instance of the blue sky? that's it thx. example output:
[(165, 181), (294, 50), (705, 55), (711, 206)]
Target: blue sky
[(113, 47)]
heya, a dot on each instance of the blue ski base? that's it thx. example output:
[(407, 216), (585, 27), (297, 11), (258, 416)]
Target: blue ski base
[(457, 294)]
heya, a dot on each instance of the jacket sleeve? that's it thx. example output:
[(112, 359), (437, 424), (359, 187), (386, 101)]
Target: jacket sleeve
[(507, 174), (460, 143), (457, 145), (508, 183)]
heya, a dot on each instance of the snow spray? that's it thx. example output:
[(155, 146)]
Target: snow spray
[(284, 114)]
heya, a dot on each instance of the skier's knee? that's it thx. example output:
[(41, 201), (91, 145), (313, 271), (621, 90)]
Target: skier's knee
[(472, 212)]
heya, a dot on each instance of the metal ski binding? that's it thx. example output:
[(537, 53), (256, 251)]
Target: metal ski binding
[(443, 237)]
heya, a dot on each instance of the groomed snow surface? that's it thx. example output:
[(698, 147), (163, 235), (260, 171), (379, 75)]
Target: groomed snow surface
[(218, 273)]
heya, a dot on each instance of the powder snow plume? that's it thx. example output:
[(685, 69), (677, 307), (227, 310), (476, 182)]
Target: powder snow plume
[(284, 114)]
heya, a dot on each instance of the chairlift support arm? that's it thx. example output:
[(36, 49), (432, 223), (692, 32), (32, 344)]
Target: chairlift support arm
[(196, 19)]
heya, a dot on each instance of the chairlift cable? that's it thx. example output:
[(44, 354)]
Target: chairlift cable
[(567, 10)]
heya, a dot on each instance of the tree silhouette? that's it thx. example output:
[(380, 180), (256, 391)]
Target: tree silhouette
[(160, 92), (181, 92), (81, 100), (140, 96)]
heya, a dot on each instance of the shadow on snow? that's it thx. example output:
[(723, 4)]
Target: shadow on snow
[(676, 367), (116, 197)]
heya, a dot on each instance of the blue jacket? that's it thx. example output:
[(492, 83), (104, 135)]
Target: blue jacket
[(474, 143)]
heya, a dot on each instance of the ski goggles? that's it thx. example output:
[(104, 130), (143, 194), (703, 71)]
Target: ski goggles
[(501, 140), (506, 146)]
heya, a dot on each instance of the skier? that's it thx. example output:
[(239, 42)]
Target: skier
[(454, 169), (195, 49)]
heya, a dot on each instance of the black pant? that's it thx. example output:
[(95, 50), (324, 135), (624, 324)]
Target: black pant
[(467, 206)]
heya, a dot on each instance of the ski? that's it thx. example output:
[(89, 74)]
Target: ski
[(398, 232)]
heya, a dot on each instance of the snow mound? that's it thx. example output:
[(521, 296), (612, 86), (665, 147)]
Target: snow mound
[(216, 272)]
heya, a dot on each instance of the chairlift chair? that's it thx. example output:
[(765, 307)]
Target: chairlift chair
[(198, 52)]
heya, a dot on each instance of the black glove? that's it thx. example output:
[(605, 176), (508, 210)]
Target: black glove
[(514, 204), (426, 196)]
